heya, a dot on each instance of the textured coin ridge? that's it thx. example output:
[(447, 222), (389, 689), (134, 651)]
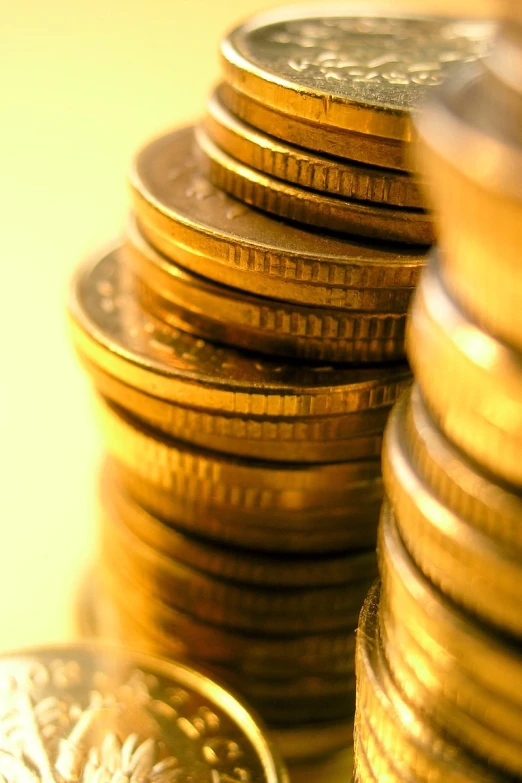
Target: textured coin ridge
[(361, 218), (204, 230), (301, 166)]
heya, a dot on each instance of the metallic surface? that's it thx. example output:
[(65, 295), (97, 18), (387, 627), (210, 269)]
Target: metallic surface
[(338, 177), (297, 62), (184, 216), (481, 409), (87, 712), (319, 210)]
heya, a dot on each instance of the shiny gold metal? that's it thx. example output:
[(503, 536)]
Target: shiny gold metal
[(405, 738), (151, 543), (475, 174), (226, 315), (457, 482), (481, 408), (451, 669), (327, 68), (251, 609), (327, 528), (206, 478), (467, 564), (185, 217), (80, 711), (338, 177), (113, 331), (300, 205)]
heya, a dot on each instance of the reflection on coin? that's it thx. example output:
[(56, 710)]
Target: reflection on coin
[(349, 526), (88, 710), (475, 172), (481, 410), (300, 205), (113, 330), (303, 167), (362, 74), (456, 480), (450, 668), (184, 216), (224, 315), (149, 540)]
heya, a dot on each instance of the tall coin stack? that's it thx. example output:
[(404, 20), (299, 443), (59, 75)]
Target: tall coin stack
[(439, 654), (246, 344)]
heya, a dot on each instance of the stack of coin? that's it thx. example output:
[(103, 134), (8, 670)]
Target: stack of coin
[(245, 365), (440, 653)]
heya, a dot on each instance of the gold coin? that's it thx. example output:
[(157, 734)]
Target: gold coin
[(76, 711), (112, 330), (185, 217), (105, 612), (327, 529), (338, 177), (145, 537), (443, 660), (468, 565), (212, 479), (402, 734), (456, 481), (300, 205), (333, 70), (481, 409), (255, 611), (225, 315), (475, 176)]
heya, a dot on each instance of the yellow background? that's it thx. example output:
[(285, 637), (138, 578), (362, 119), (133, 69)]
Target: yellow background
[(84, 83)]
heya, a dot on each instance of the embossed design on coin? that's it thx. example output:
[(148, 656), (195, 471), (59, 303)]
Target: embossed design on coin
[(89, 714)]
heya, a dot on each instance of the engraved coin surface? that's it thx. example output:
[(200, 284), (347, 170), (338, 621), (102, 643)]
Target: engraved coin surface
[(89, 712), (358, 73), (184, 216)]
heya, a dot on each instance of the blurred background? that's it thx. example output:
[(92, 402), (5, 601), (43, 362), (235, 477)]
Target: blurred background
[(83, 85)]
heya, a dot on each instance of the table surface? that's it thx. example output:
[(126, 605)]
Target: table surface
[(85, 83)]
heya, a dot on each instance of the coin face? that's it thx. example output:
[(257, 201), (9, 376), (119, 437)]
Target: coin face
[(83, 713), (360, 73)]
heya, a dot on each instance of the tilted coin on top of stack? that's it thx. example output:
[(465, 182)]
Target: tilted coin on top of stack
[(439, 667), (247, 342)]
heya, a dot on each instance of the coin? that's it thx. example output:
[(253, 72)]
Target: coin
[(229, 606), (225, 315), (104, 611), (300, 205), (475, 174), (447, 687), (338, 177), (454, 479), (114, 332), (467, 564), (330, 69), (207, 478), (184, 216), (481, 409), (349, 526), (406, 738), (145, 537), (83, 710)]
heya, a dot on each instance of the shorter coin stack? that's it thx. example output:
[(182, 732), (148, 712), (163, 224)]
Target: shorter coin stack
[(240, 503), (439, 659)]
